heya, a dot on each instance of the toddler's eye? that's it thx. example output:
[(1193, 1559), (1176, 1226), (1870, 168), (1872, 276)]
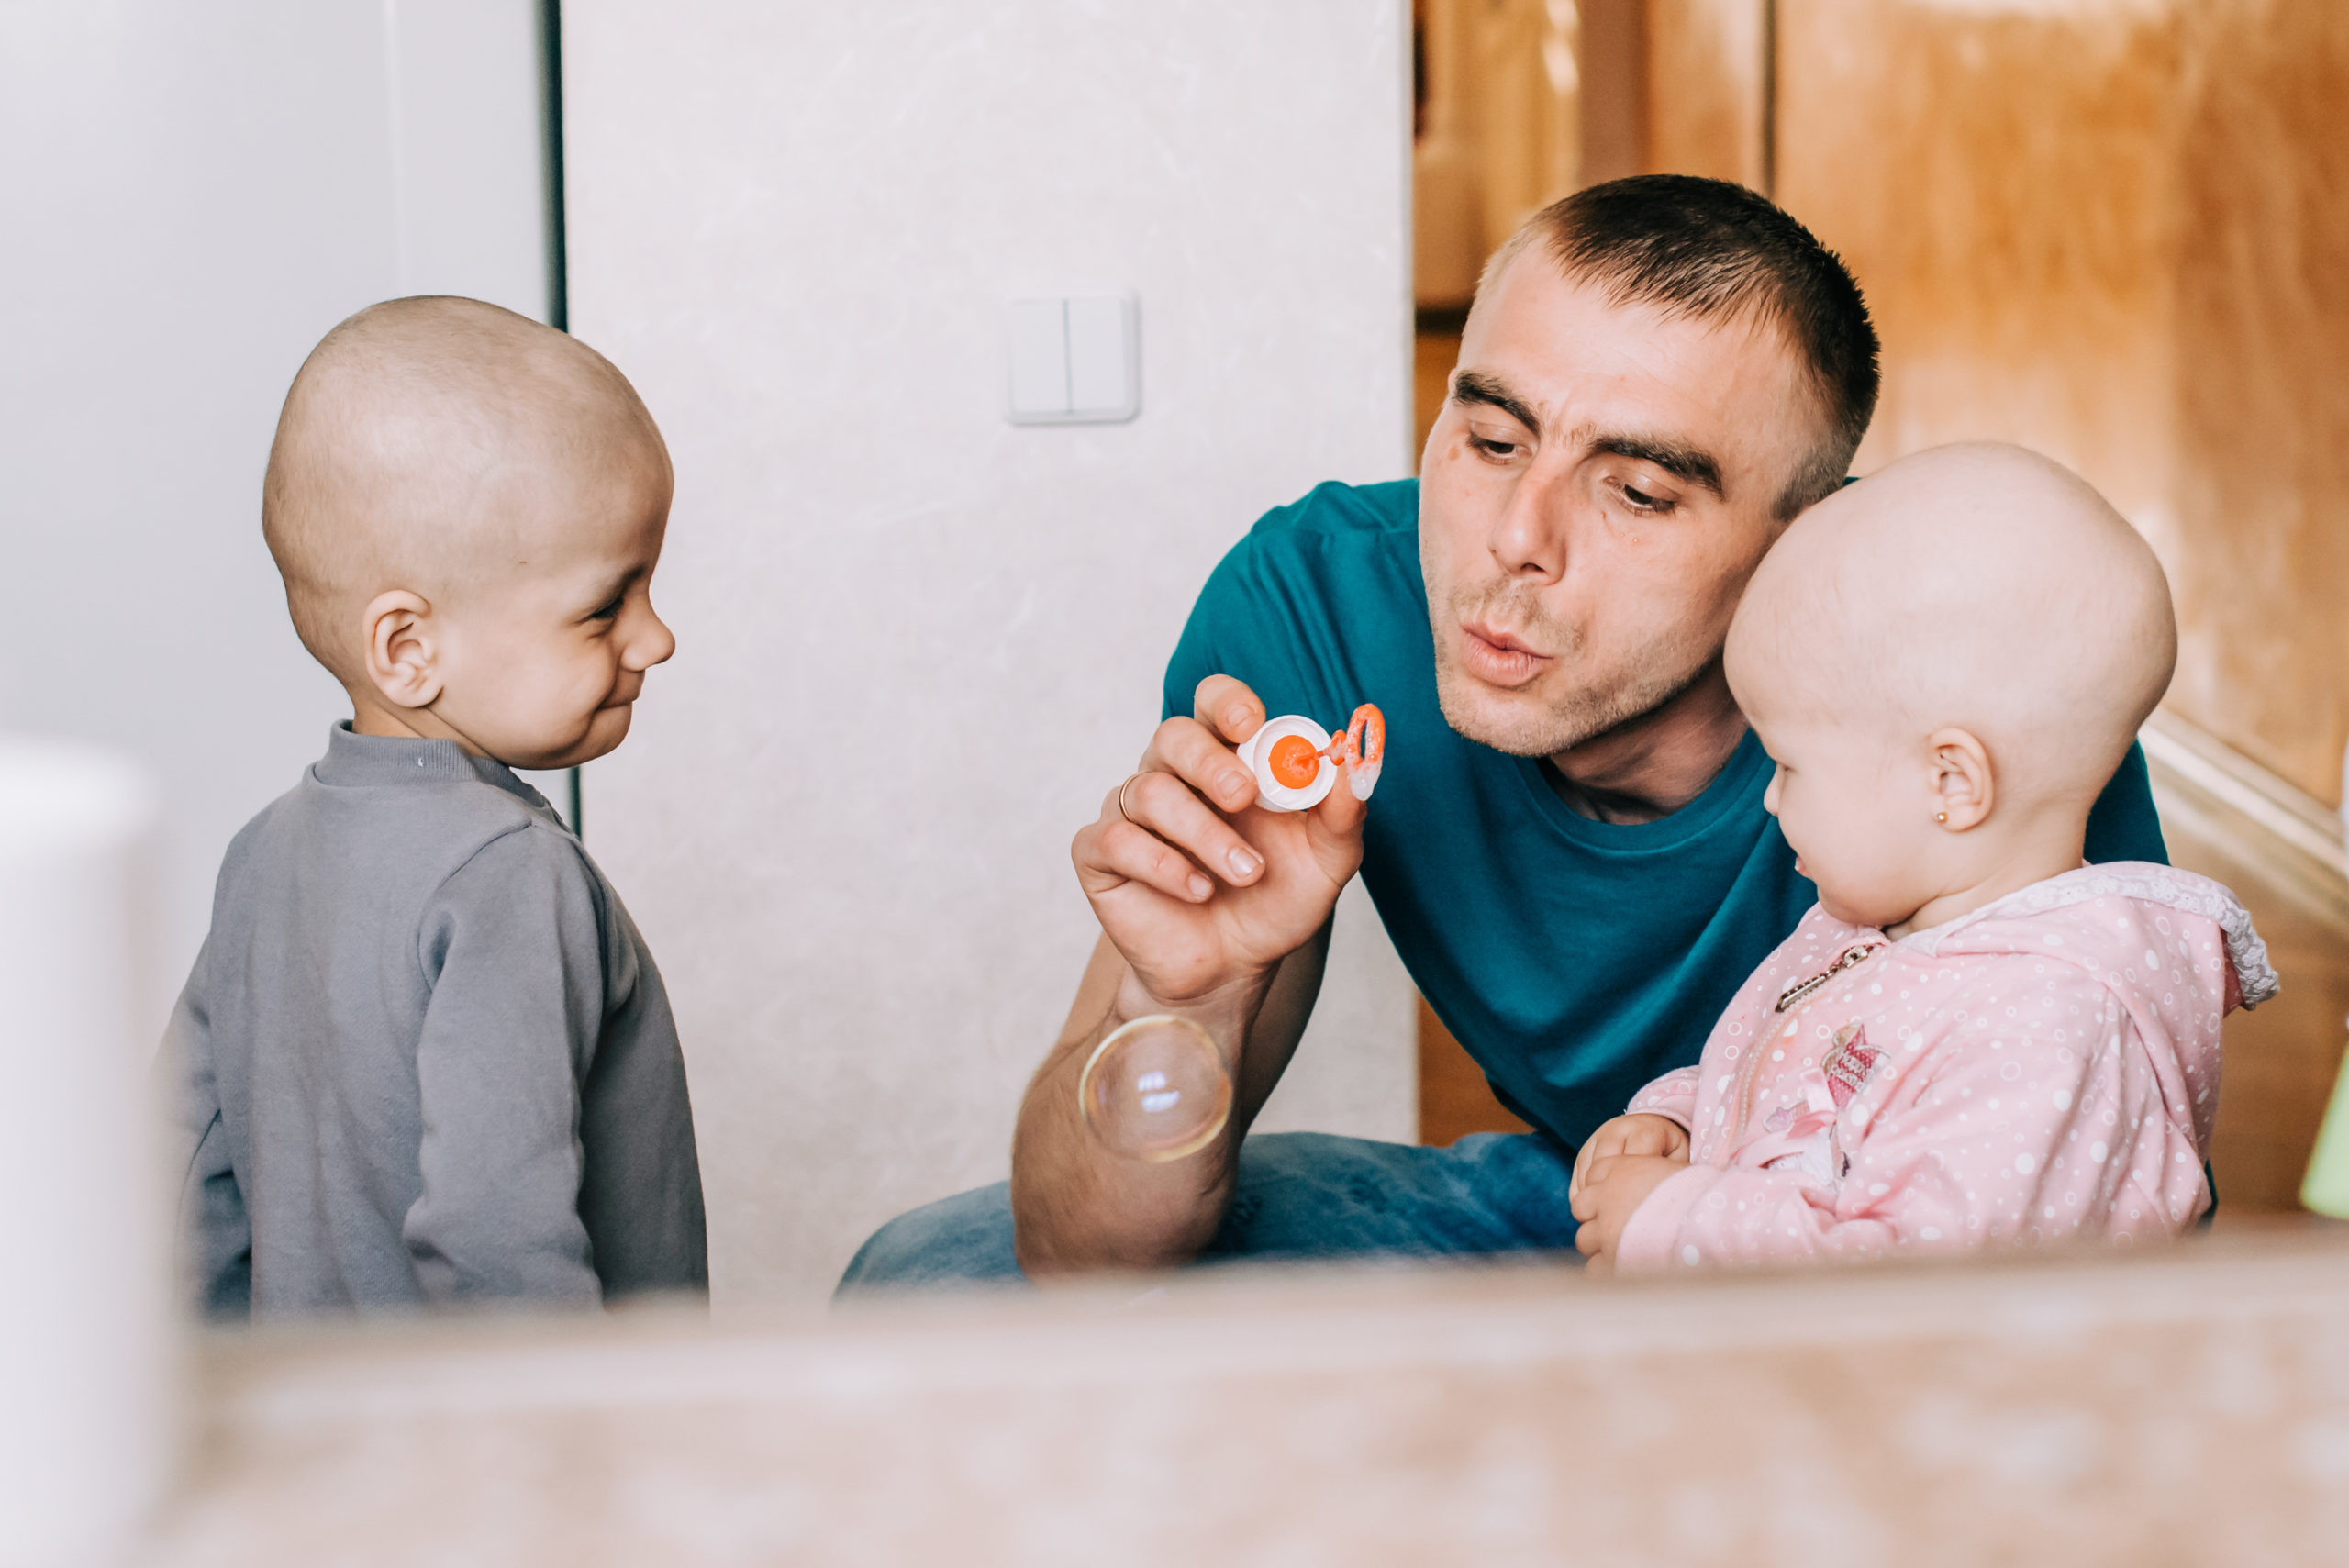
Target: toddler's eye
[(610, 611)]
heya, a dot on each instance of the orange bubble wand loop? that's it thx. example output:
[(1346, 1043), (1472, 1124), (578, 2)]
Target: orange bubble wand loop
[(1361, 749)]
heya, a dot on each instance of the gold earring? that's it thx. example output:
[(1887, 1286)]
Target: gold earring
[(1942, 816)]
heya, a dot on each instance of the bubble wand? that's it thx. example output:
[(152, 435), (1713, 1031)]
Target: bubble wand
[(1296, 762)]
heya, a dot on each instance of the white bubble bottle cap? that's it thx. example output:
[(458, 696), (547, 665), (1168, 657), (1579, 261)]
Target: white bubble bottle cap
[(1287, 756), (1297, 762)]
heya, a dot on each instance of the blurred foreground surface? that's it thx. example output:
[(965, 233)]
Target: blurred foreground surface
[(2190, 1405)]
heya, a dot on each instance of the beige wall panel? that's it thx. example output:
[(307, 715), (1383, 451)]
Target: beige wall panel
[(1613, 65), (2261, 555), (1529, 109), (1447, 161), (917, 644), (1705, 88), (2115, 230), (1998, 183)]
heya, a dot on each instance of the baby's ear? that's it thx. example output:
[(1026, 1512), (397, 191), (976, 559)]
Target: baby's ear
[(1963, 787), (400, 649)]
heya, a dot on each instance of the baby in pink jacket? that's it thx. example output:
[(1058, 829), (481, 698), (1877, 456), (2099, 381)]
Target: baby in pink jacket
[(1973, 1040)]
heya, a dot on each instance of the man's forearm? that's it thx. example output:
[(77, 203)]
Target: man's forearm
[(1076, 1206)]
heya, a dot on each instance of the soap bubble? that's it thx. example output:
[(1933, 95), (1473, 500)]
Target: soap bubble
[(1156, 1089)]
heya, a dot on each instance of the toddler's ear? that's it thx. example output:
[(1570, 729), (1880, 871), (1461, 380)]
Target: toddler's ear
[(1964, 789), (401, 652)]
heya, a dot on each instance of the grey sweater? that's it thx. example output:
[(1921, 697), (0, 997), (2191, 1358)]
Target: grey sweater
[(425, 1057)]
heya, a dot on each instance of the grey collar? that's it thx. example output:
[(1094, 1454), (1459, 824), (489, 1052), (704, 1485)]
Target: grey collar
[(361, 761)]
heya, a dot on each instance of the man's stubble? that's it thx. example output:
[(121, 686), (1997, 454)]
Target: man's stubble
[(1604, 701)]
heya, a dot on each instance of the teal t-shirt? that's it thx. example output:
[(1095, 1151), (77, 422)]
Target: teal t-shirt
[(1574, 960)]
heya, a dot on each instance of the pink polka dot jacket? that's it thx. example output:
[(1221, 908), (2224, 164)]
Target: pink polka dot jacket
[(2043, 1069)]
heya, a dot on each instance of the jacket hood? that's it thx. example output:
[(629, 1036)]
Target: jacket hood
[(2177, 950), (1987, 929)]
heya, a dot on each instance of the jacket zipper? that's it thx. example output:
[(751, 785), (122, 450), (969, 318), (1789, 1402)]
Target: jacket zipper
[(1799, 997)]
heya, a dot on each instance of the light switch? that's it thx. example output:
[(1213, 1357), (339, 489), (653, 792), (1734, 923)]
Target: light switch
[(1101, 359), (1038, 333), (1073, 360)]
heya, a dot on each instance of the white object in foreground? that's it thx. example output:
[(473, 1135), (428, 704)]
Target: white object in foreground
[(86, 1337)]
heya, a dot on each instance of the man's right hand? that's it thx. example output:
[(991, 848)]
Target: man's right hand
[(1210, 907), (1199, 889)]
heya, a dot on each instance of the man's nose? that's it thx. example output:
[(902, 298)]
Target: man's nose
[(1529, 539)]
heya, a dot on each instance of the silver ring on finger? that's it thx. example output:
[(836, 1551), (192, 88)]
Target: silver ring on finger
[(1121, 798)]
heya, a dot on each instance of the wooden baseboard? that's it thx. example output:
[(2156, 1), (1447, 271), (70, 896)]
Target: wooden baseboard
[(1455, 1097), (2292, 840)]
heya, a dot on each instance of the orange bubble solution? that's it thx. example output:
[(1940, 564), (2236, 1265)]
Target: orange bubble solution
[(1294, 762)]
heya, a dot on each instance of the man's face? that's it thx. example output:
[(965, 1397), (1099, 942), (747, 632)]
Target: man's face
[(1601, 482)]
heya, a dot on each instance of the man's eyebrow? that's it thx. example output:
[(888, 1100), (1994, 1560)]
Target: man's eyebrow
[(1690, 463), (1693, 464), (1475, 386)]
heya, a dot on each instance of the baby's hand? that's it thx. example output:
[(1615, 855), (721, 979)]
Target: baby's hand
[(1616, 1185), (1642, 1134)]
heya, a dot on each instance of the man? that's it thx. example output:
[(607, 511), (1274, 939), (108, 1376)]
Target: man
[(1568, 845)]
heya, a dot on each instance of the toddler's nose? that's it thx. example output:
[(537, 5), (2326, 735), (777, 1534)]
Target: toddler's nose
[(652, 646)]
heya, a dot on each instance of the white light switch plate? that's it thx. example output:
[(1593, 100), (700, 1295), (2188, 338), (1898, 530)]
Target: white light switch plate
[(1073, 360)]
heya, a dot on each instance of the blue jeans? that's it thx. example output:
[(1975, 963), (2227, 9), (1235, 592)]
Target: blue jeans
[(1300, 1195)]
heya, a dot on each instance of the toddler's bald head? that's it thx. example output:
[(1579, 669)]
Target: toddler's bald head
[(435, 444), (1980, 586)]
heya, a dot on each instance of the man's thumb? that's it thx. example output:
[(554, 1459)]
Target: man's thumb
[(1343, 811)]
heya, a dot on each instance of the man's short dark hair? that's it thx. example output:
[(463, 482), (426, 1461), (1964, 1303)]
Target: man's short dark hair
[(1710, 249)]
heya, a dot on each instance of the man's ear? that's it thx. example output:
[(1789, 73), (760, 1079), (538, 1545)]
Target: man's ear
[(1963, 786), (402, 650)]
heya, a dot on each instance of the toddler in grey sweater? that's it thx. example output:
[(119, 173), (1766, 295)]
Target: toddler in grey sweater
[(424, 1056)]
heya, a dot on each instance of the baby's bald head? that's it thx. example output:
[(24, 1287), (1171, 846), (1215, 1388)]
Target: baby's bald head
[(438, 445), (1980, 586)]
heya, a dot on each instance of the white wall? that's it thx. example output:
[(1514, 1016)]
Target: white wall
[(193, 195), (917, 644)]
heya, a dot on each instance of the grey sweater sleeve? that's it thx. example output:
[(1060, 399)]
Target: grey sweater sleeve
[(215, 1232), (513, 949)]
